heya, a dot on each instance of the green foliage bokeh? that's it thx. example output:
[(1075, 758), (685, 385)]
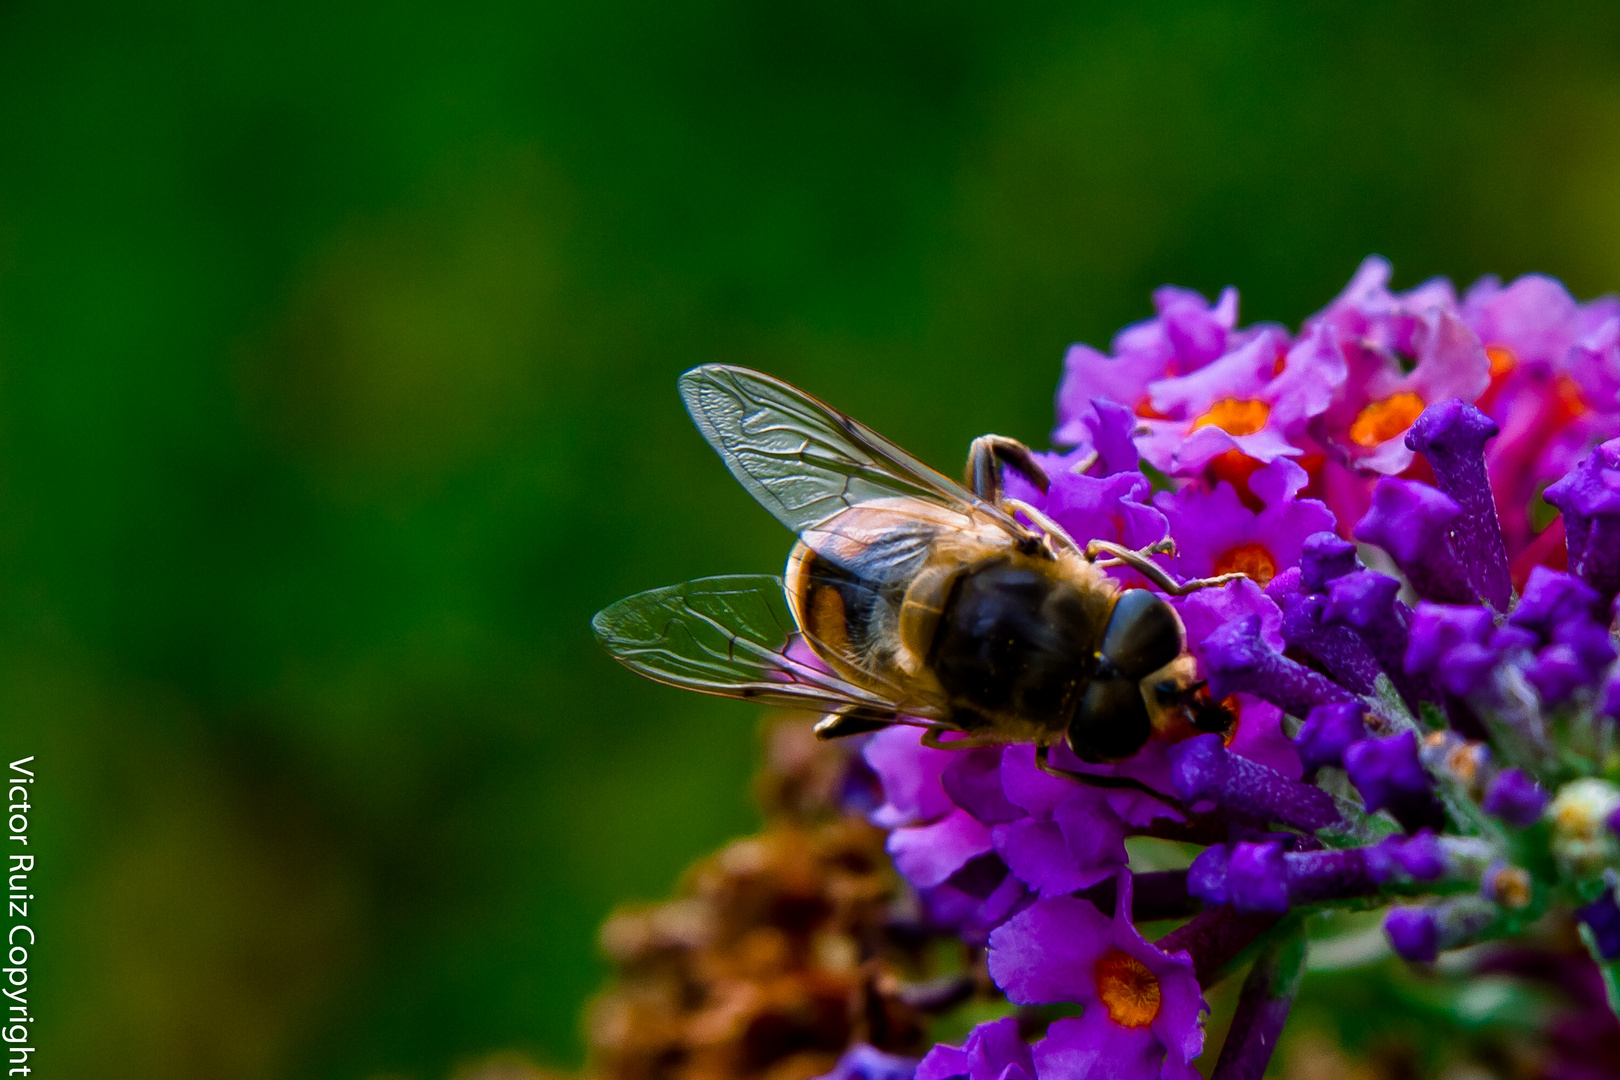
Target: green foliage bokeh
[(337, 359)]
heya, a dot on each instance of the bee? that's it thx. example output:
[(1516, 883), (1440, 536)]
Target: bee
[(909, 598)]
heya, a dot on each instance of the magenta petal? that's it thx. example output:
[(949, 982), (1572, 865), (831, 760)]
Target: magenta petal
[(1241, 374), (1093, 1047), (928, 854), (1179, 1025), (1259, 737), (1047, 952), (910, 773), (1039, 855), (1139, 809), (995, 1047), (1451, 361), (1094, 833), (943, 1062), (1278, 482), (991, 1051), (1315, 370), (1028, 787), (1207, 610)]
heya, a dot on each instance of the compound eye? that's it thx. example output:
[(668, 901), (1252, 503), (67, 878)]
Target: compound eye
[(1143, 634), (1111, 723)]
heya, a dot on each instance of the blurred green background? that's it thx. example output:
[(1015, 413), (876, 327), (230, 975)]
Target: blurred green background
[(337, 360)]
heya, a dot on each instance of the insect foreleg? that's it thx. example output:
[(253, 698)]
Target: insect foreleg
[(986, 457), (1140, 562)]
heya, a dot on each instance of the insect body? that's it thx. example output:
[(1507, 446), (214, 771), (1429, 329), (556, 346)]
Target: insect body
[(910, 598)]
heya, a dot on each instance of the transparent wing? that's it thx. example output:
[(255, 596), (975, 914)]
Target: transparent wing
[(802, 459), (731, 636)]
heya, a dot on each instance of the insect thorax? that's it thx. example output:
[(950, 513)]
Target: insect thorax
[(1016, 642)]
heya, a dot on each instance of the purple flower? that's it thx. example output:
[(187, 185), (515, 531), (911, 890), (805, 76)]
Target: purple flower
[(1552, 599), (865, 1062), (1389, 774), (932, 838), (1063, 845), (1323, 557), (1142, 1015), (972, 780), (1379, 334), (1264, 876), (1553, 383), (929, 854), (1556, 673), (1413, 522), (1096, 508), (1216, 533), (911, 777), (1589, 498), (1414, 933), (1238, 658), (1602, 917), (1256, 879), (1203, 769), (1187, 333), (992, 1051), (1236, 405), (1437, 629), (1452, 437), (1418, 857), (1328, 731)]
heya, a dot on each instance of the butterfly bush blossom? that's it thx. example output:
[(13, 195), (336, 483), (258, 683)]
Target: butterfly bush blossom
[(1424, 491)]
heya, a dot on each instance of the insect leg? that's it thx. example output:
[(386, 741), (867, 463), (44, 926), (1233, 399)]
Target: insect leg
[(1139, 561), (1117, 783), (1048, 526), (932, 733), (985, 458), (850, 720)]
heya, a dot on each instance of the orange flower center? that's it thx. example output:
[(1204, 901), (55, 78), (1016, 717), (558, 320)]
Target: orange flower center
[(1146, 411), (1128, 989), (1502, 361), (1571, 402), (1383, 420), (1235, 467), (1251, 559), (1235, 417)]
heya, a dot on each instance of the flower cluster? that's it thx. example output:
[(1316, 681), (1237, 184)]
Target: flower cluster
[(1424, 493)]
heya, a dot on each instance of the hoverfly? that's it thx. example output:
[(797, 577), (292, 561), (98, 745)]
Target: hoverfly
[(912, 599)]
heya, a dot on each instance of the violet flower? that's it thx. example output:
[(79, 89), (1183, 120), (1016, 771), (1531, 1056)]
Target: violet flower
[(1143, 1007)]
